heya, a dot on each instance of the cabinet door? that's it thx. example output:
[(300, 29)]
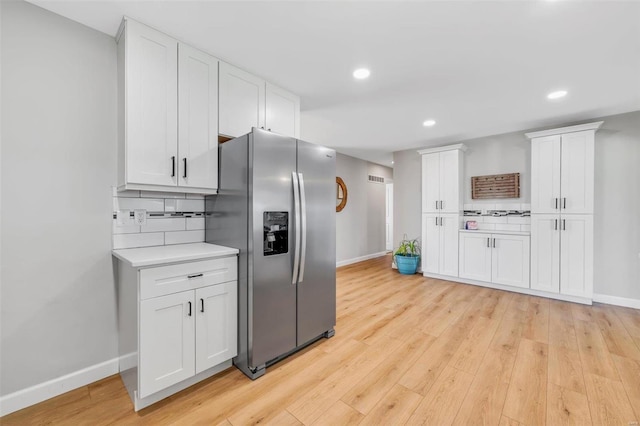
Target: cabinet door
[(510, 260), (430, 254), (450, 181), (577, 172), (151, 106), (282, 111), (241, 101), (216, 325), (431, 183), (197, 119), (167, 341), (545, 174), (545, 252), (576, 255), (449, 229), (475, 256)]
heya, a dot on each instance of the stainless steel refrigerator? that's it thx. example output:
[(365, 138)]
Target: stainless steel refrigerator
[(276, 204)]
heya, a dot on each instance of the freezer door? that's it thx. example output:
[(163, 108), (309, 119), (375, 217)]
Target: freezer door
[(317, 279), (272, 296)]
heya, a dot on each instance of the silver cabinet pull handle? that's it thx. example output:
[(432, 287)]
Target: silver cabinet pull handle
[(564, 203), (296, 202), (564, 224), (556, 202), (194, 276), (494, 243), (436, 205), (555, 224), (488, 242), (303, 219)]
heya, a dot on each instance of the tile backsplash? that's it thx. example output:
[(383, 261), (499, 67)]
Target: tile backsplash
[(483, 214), (172, 218)]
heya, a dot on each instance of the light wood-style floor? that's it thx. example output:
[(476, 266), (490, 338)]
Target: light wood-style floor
[(416, 351)]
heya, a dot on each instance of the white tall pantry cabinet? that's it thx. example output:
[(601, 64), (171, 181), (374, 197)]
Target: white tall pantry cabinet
[(442, 171), (562, 182)]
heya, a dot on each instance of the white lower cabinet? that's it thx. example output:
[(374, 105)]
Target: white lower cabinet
[(216, 325), (440, 244), (177, 325), (562, 254), (496, 258), (167, 341)]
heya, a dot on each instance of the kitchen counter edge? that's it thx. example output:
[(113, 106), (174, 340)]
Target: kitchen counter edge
[(494, 231), (162, 255)]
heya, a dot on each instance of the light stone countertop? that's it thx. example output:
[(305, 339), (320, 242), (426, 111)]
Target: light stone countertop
[(160, 255)]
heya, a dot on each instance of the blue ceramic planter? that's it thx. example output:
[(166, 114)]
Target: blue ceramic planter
[(407, 264)]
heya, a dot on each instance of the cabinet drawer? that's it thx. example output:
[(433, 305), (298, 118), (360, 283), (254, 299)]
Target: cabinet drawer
[(186, 276)]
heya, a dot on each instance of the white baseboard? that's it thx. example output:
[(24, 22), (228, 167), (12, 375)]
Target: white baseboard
[(618, 301), (43, 391), (360, 259)]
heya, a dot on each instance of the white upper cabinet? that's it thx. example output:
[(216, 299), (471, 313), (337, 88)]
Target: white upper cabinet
[(197, 119), (430, 183), (160, 147), (577, 169), (242, 101), (545, 174), (451, 181), (282, 111), (442, 170), (562, 169), (148, 62)]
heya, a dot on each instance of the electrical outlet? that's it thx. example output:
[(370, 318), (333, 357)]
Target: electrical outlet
[(140, 217), (123, 217)]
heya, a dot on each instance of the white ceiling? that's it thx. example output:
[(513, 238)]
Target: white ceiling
[(477, 68)]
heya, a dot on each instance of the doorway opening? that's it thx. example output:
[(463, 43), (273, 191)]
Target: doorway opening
[(389, 216)]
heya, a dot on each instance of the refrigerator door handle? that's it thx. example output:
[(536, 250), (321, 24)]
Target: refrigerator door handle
[(296, 214), (303, 219)]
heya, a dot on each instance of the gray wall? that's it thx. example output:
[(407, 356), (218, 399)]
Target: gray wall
[(58, 309), (360, 226), (617, 193), (508, 153), (617, 207)]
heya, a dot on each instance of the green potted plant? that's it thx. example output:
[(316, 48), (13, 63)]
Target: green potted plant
[(407, 256)]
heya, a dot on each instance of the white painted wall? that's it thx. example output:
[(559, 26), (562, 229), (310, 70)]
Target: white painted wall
[(360, 226), (617, 193), (58, 310), (617, 207), (407, 195), (509, 153)]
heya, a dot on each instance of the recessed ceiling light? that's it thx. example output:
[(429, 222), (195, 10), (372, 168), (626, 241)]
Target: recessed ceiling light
[(392, 162), (361, 73), (429, 123), (557, 94)]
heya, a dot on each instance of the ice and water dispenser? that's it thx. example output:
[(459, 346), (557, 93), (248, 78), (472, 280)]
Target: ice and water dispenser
[(275, 233)]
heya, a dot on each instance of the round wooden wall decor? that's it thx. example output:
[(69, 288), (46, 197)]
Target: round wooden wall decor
[(341, 194)]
